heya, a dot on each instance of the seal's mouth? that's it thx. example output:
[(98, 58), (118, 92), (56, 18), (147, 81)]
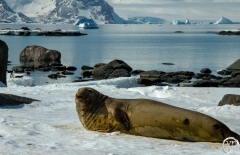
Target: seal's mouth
[(80, 98)]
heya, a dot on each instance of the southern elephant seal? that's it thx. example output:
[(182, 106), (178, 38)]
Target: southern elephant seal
[(145, 117)]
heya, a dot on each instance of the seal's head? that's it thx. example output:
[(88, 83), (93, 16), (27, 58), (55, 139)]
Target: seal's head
[(86, 96)]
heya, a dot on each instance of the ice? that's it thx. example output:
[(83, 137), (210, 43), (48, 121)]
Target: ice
[(223, 20), (52, 127)]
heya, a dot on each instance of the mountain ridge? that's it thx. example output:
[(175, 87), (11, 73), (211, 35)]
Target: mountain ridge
[(65, 11)]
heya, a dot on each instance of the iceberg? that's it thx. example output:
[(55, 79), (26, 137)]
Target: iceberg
[(177, 22), (187, 21), (223, 20)]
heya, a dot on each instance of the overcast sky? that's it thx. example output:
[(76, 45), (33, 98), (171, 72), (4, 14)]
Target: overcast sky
[(178, 9)]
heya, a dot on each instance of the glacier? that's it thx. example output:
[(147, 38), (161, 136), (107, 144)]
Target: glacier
[(144, 20)]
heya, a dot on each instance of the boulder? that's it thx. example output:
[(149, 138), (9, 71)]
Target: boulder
[(71, 68), (206, 70), (59, 68), (137, 72), (119, 64), (235, 73), (11, 100), (22, 68), (86, 74), (149, 81), (230, 99), (152, 74), (119, 73), (174, 80), (224, 72), (84, 67), (232, 82), (114, 69), (235, 65), (99, 64), (67, 72), (3, 61), (38, 53), (102, 72), (205, 83)]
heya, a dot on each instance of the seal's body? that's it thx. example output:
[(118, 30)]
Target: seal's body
[(145, 117)]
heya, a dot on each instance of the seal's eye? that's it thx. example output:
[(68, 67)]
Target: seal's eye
[(89, 90)]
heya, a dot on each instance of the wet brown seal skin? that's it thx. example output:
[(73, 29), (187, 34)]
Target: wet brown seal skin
[(145, 117)]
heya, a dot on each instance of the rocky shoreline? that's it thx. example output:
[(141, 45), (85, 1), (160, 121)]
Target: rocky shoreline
[(118, 68), (42, 59)]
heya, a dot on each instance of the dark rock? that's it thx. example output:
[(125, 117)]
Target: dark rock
[(28, 69), (200, 75), (67, 72), (230, 99), (206, 83), (45, 65), (224, 72), (166, 76), (137, 72), (84, 67), (178, 32), (228, 32), (206, 70), (54, 63), (119, 64), (152, 74), (149, 81), (82, 80), (86, 73), (53, 76), (71, 68), (235, 73), (206, 78), (99, 64), (44, 69), (3, 62), (25, 28), (174, 80), (185, 73), (232, 82), (114, 69), (102, 72), (167, 63), (119, 73), (59, 68), (235, 65), (18, 69), (38, 53), (11, 100), (61, 76)]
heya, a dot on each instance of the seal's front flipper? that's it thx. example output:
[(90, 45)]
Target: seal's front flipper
[(121, 117)]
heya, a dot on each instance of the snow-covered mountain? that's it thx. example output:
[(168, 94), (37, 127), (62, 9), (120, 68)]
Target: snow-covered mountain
[(66, 11), (7, 15)]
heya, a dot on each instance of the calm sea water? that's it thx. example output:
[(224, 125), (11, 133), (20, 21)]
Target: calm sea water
[(143, 47)]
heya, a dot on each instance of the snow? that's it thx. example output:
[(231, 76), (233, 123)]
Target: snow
[(37, 8), (52, 127), (223, 20), (177, 22)]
